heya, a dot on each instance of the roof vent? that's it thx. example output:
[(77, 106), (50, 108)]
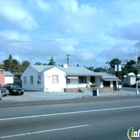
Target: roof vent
[(65, 65)]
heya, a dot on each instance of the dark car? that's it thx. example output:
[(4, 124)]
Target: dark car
[(14, 89), (126, 85), (134, 85), (0, 96), (4, 91)]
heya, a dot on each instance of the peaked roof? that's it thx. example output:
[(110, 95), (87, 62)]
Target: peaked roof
[(77, 71), (7, 73), (41, 68), (69, 70), (73, 71), (108, 77)]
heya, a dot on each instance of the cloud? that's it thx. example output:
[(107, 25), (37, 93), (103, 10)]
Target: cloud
[(12, 13), (129, 32), (72, 17), (13, 35), (43, 5), (122, 51), (92, 32)]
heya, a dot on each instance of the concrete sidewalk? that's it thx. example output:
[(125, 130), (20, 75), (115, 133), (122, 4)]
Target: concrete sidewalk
[(38, 96)]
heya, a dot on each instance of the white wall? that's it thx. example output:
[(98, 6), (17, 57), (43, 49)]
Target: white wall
[(54, 87), (97, 81), (9, 79), (74, 83), (131, 80), (35, 86)]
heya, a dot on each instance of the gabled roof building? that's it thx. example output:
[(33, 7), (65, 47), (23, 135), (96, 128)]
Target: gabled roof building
[(65, 79)]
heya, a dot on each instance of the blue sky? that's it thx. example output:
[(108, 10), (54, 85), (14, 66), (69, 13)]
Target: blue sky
[(91, 31)]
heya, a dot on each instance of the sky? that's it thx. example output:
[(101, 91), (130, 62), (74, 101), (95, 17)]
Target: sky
[(91, 32)]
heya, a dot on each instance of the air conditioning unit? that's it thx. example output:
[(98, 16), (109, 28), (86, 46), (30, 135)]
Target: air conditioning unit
[(39, 82)]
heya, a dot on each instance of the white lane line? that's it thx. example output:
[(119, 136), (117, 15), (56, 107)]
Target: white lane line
[(44, 131), (68, 113)]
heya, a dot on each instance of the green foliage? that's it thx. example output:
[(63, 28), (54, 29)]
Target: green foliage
[(7, 65), (14, 65), (51, 61), (100, 69), (114, 62), (90, 68), (38, 63)]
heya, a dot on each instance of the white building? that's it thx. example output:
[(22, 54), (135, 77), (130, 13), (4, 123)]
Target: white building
[(9, 77), (63, 79)]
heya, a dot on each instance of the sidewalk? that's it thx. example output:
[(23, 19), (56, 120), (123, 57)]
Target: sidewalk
[(38, 96)]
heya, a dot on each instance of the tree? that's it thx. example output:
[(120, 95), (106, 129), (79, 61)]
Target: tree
[(90, 68), (51, 61), (10, 58), (38, 63), (7, 65), (15, 65), (114, 62), (100, 69), (25, 63)]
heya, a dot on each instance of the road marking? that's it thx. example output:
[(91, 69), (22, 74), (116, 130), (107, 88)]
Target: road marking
[(68, 113), (44, 131)]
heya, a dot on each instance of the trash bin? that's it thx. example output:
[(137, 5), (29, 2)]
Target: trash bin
[(95, 92)]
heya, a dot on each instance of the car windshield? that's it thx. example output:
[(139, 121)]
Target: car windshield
[(14, 86)]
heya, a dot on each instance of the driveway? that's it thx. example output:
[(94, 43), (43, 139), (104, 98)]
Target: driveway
[(35, 96), (38, 96)]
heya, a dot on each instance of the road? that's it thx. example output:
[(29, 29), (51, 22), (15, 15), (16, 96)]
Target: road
[(79, 119)]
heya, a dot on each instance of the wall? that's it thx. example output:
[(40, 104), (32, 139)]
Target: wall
[(74, 83), (2, 79), (71, 89), (9, 79), (35, 86), (105, 89), (97, 81), (54, 87), (131, 80)]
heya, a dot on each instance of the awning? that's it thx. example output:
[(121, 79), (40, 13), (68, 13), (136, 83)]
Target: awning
[(111, 79), (72, 77)]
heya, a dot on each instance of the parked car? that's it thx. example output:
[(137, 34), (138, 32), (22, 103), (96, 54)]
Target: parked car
[(0, 96), (134, 85), (14, 89), (4, 91), (126, 85), (9, 85)]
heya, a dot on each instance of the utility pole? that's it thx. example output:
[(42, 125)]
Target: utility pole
[(68, 59), (137, 91), (118, 68)]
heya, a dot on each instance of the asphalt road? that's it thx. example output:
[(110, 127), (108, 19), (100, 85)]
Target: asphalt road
[(78, 119)]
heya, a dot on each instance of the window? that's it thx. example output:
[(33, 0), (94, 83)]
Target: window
[(82, 79), (55, 79), (39, 79), (106, 83), (68, 80), (24, 80), (31, 80)]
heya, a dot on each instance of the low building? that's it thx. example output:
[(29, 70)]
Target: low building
[(65, 79), (2, 77), (9, 77)]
